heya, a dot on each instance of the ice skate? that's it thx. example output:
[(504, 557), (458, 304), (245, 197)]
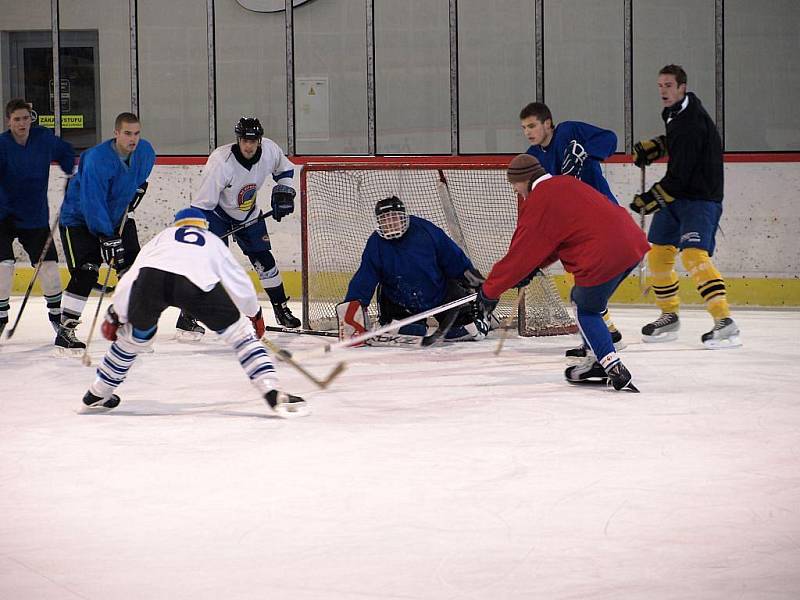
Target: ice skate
[(663, 329), (187, 330), (3, 323), (724, 335), (66, 343), (284, 316), (620, 378), (588, 371), (285, 405), (576, 355), (96, 404), (55, 322)]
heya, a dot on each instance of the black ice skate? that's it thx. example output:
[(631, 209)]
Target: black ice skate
[(187, 330), (574, 355), (589, 371), (3, 323), (284, 316), (724, 335), (620, 378), (94, 403), (66, 343), (55, 321), (663, 329), (285, 405)]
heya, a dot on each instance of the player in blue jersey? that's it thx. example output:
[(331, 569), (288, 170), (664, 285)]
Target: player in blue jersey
[(110, 183), (416, 267), (571, 148), (26, 152)]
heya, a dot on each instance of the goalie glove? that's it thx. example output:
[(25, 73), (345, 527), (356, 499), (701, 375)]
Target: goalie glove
[(137, 197), (352, 318), (651, 201), (484, 304), (647, 152), (110, 325), (574, 156), (472, 278), (282, 201), (258, 323)]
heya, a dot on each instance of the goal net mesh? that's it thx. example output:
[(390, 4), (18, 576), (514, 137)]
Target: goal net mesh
[(473, 204)]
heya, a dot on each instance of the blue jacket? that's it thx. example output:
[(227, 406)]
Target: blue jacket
[(24, 174), (598, 143), (413, 270), (99, 194)]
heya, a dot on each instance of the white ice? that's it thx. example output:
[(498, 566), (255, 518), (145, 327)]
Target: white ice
[(445, 473)]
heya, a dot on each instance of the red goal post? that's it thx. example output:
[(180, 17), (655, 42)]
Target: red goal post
[(468, 197)]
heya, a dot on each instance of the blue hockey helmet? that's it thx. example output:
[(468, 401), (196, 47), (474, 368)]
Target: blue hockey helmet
[(190, 217)]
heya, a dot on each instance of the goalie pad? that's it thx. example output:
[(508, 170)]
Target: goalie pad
[(352, 319)]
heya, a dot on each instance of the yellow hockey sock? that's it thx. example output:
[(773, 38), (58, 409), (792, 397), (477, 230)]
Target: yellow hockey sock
[(709, 281), (609, 323), (663, 278)]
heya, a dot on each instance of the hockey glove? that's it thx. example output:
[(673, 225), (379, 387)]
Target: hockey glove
[(649, 151), (651, 201), (258, 323), (113, 252), (110, 325), (472, 278), (137, 197), (528, 278), (573, 159), (282, 201), (484, 304)]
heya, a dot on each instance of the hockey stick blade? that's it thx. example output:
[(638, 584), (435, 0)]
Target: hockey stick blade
[(287, 358), (301, 331)]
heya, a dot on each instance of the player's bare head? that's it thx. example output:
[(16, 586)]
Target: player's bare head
[(672, 84), (522, 171), (390, 213), (16, 104), (127, 132), (190, 217), (537, 123), (248, 132)]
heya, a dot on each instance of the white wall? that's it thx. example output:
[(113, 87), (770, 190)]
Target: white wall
[(760, 224)]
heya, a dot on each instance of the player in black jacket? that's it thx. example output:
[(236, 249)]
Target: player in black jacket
[(687, 203)]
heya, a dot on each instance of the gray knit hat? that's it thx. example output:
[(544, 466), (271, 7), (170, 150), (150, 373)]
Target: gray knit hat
[(524, 167)]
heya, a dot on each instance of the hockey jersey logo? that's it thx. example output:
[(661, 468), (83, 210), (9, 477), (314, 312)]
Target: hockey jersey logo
[(246, 197)]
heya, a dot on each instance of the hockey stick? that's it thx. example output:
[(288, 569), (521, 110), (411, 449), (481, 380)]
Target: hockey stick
[(86, 359), (301, 331), (287, 358), (506, 324), (393, 326), (46, 247), (241, 226), (642, 223)]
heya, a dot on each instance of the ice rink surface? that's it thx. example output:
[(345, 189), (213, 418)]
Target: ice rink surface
[(445, 473)]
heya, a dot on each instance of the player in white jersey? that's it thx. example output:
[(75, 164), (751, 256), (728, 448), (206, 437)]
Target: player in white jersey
[(186, 267), (231, 179)]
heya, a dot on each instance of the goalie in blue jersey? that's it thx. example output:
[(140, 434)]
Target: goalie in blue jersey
[(415, 266)]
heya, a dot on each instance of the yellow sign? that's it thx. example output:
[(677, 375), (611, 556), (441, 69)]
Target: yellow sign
[(67, 121)]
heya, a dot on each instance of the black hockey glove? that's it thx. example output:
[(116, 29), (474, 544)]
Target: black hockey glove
[(485, 305), (649, 151), (282, 201), (113, 252), (472, 278), (528, 278), (651, 201), (573, 159), (137, 197)]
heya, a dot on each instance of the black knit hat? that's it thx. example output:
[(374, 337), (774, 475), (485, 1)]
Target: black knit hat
[(524, 167)]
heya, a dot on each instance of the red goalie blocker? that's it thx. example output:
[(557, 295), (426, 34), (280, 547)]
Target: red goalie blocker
[(352, 319)]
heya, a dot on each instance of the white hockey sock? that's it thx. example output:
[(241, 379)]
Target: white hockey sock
[(252, 355), (51, 286), (72, 306), (6, 275), (118, 360)]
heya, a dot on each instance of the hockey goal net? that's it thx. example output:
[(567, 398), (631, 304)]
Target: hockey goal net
[(470, 200)]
